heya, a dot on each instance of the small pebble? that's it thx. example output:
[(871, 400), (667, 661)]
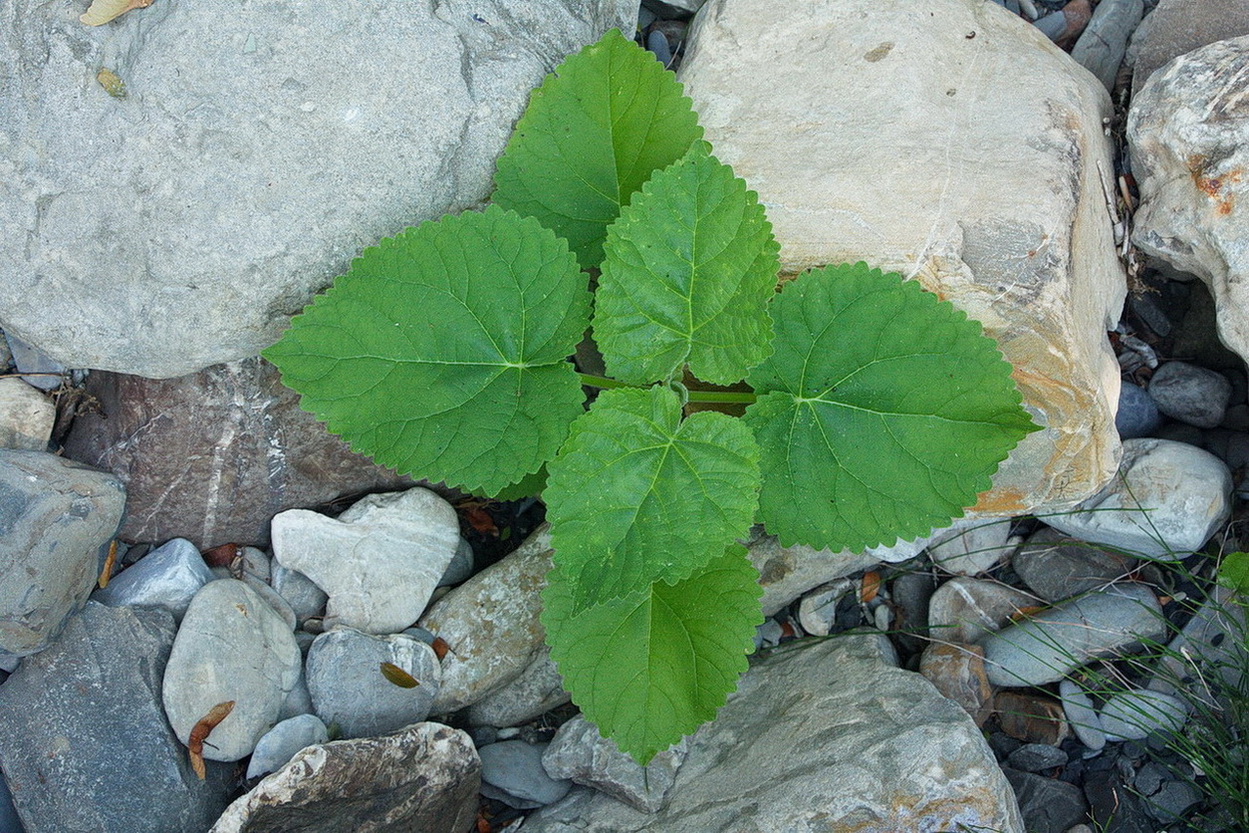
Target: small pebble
[(514, 769), (280, 743), (167, 577), (1035, 757), (1137, 713), (1083, 719), (1138, 415), (1190, 393)]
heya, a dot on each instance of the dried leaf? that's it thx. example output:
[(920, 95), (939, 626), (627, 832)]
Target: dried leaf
[(480, 520), (111, 82), (222, 556), (398, 676), (102, 11), (1026, 612), (870, 586), (440, 646), (109, 563), (201, 731)]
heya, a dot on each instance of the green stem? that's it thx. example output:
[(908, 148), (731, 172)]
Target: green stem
[(710, 397)]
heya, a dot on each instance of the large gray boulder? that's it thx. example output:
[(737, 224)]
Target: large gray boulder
[(824, 738), (256, 149), (1186, 131), (956, 145)]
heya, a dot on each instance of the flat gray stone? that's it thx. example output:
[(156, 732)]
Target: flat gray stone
[(1057, 567), (1167, 501), (301, 593), (54, 517), (580, 754), (168, 576), (971, 547), (514, 769), (347, 686), (1175, 27), (1047, 646), (1137, 713), (279, 744), (83, 738), (862, 747), (1047, 804), (291, 138), (967, 610), (26, 416), (424, 778), (379, 561), (537, 690), (1083, 719), (1191, 394), (232, 645)]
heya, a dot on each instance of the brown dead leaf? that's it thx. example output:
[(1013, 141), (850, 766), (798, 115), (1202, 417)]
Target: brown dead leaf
[(102, 11), (200, 732), (398, 676), (109, 563), (480, 520), (870, 586), (440, 646), (222, 556), (1026, 612)]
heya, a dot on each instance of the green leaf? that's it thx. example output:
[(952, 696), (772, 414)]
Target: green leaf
[(592, 134), (442, 352), (1234, 572), (688, 271), (637, 496), (654, 666), (884, 411)]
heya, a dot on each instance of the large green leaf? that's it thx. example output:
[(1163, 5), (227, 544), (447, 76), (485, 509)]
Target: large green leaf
[(687, 274), (884, 411), (594, 131), (442, 352), (637, 496), (655, 665)]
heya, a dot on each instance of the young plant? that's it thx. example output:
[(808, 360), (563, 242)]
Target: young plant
[(875, 411)]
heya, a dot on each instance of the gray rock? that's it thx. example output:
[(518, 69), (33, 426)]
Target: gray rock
[(39, 369), (10, 821), (1190, 393), (6, 355), (299, 700), (490, 624), (1168, 500), (1049, 645), (1138, 414), (54, 517), (1214, 640), (837, 761), (424, 778), (1056, 567), (348, 688), (1186, 132), (579, 753), (1171, 801), (83, 740), (379, 561), (232, 646), (236, 137), (1113, 806), (1047, 804), (213, 456), (537, 690), (972, 547), (167, 577), (1175, 27), (300, 592), (1137, 713), (461, 566), (1034, 757), (967, 610), (26, 416), (1101, 45), (279, 744), (817, 612), (1078, 707), (514, 769)]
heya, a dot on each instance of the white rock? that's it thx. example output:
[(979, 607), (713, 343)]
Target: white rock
[(232, 645), (1081, 716), (967, 610), (1169, 499), (379, 561), (300, 592), (26, 415), (818, 609), (873, 132), (168, 576), (1137, 713), (1186, 131), (973, 546), (280, 743)]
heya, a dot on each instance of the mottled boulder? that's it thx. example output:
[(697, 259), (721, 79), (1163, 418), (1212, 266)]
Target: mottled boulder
[(1175, 27), (213, 456), (873, 132), (178, 225)]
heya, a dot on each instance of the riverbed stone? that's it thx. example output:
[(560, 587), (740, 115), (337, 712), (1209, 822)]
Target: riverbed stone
[(232, 645), (579, 753), (55, 515), (179, 224), (279, 744), (83, 738), (1169, 499), (863, 746), (213, 456), (168, 576), (912, 155), (379, 561), (26, 415), (537, 690), (1186, 131), (1191, 394), (1056, 566), (425, 777), (1175, 27), (966, 609), (1047, 646)]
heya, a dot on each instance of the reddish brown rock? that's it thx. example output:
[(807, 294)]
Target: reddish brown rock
[(1031, 718), (213, 456), (957, 670)]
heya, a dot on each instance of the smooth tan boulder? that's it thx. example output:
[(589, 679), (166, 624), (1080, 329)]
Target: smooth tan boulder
[(952, 143)]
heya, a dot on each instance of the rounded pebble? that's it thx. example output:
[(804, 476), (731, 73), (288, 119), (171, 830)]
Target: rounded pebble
[(280, 743), (1137, 713)]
